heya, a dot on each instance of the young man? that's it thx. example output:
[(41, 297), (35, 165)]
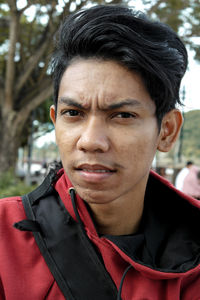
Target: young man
[(104, 226)]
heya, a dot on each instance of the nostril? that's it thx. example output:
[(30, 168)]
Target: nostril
[(93, 144), (91, 149)]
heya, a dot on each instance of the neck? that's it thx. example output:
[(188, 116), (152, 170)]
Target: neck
[(119, 217)]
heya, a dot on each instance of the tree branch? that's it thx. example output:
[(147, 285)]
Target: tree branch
[(43, 133), (10, 65), (33, 60), (36, 101), (30, 65), (153, 7), (13, 5), (24, 8)]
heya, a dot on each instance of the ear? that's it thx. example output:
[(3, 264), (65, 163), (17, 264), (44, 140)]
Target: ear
[(53, 114), (170, 129)]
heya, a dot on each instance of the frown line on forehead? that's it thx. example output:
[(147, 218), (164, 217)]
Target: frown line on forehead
[(116, 105)]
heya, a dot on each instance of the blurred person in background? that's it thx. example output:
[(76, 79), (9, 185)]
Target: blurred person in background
[(191, 184), (182, 174), (187, 180), (198, 177)]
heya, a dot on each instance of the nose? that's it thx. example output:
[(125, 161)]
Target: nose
[(93, 137)]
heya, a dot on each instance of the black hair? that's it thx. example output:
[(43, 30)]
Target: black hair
[(106, 32), (189, 163)]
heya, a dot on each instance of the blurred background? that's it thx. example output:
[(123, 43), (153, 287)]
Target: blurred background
[(27, 143)]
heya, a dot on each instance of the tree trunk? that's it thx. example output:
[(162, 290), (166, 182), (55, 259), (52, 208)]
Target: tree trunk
[(10, 133)]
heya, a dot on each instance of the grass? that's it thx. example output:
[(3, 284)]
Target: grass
[(12, 186)]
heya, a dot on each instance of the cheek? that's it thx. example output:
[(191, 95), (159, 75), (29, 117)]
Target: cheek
[(64, 140), (138, 149)]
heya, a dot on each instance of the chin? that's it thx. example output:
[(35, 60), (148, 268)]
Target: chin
[(94, 196)]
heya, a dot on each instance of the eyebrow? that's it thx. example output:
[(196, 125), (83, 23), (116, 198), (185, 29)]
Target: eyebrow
[(127, 102), (70, 102)]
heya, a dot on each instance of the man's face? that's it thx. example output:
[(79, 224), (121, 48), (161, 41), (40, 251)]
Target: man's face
[(106, 130)]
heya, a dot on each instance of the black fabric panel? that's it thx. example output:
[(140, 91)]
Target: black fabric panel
[(169, 236), (67, 250)]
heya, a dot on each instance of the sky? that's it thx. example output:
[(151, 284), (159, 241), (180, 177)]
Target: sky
[(191, 81)]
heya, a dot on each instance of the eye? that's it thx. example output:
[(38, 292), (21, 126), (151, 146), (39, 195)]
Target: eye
[(125, 115), (71, 113)]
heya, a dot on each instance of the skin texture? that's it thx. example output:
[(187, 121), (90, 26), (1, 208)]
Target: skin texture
[(107, 135)]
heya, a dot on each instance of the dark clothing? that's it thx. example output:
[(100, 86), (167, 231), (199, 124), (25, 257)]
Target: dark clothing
[(164, 254)]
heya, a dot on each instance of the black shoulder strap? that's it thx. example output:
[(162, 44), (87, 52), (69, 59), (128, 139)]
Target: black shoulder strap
[(67, 250)]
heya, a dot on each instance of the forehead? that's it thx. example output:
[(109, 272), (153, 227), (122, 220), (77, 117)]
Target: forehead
[(102, 82)]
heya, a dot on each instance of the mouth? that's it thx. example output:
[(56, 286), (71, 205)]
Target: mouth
[(94, 173), (95, 168)]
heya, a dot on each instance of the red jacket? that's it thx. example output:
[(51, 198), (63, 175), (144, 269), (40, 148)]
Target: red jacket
[(164, 254)]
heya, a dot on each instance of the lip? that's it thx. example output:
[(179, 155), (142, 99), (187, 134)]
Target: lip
[(94, 168), (94, 173)]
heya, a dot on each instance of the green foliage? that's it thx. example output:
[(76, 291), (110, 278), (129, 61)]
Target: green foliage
[(182, 15), (12, 186), (191, 135)]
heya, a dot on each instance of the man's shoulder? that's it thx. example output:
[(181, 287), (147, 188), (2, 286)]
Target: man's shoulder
[(11, 209), (159, 186), (7, 201), (10, 199)]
